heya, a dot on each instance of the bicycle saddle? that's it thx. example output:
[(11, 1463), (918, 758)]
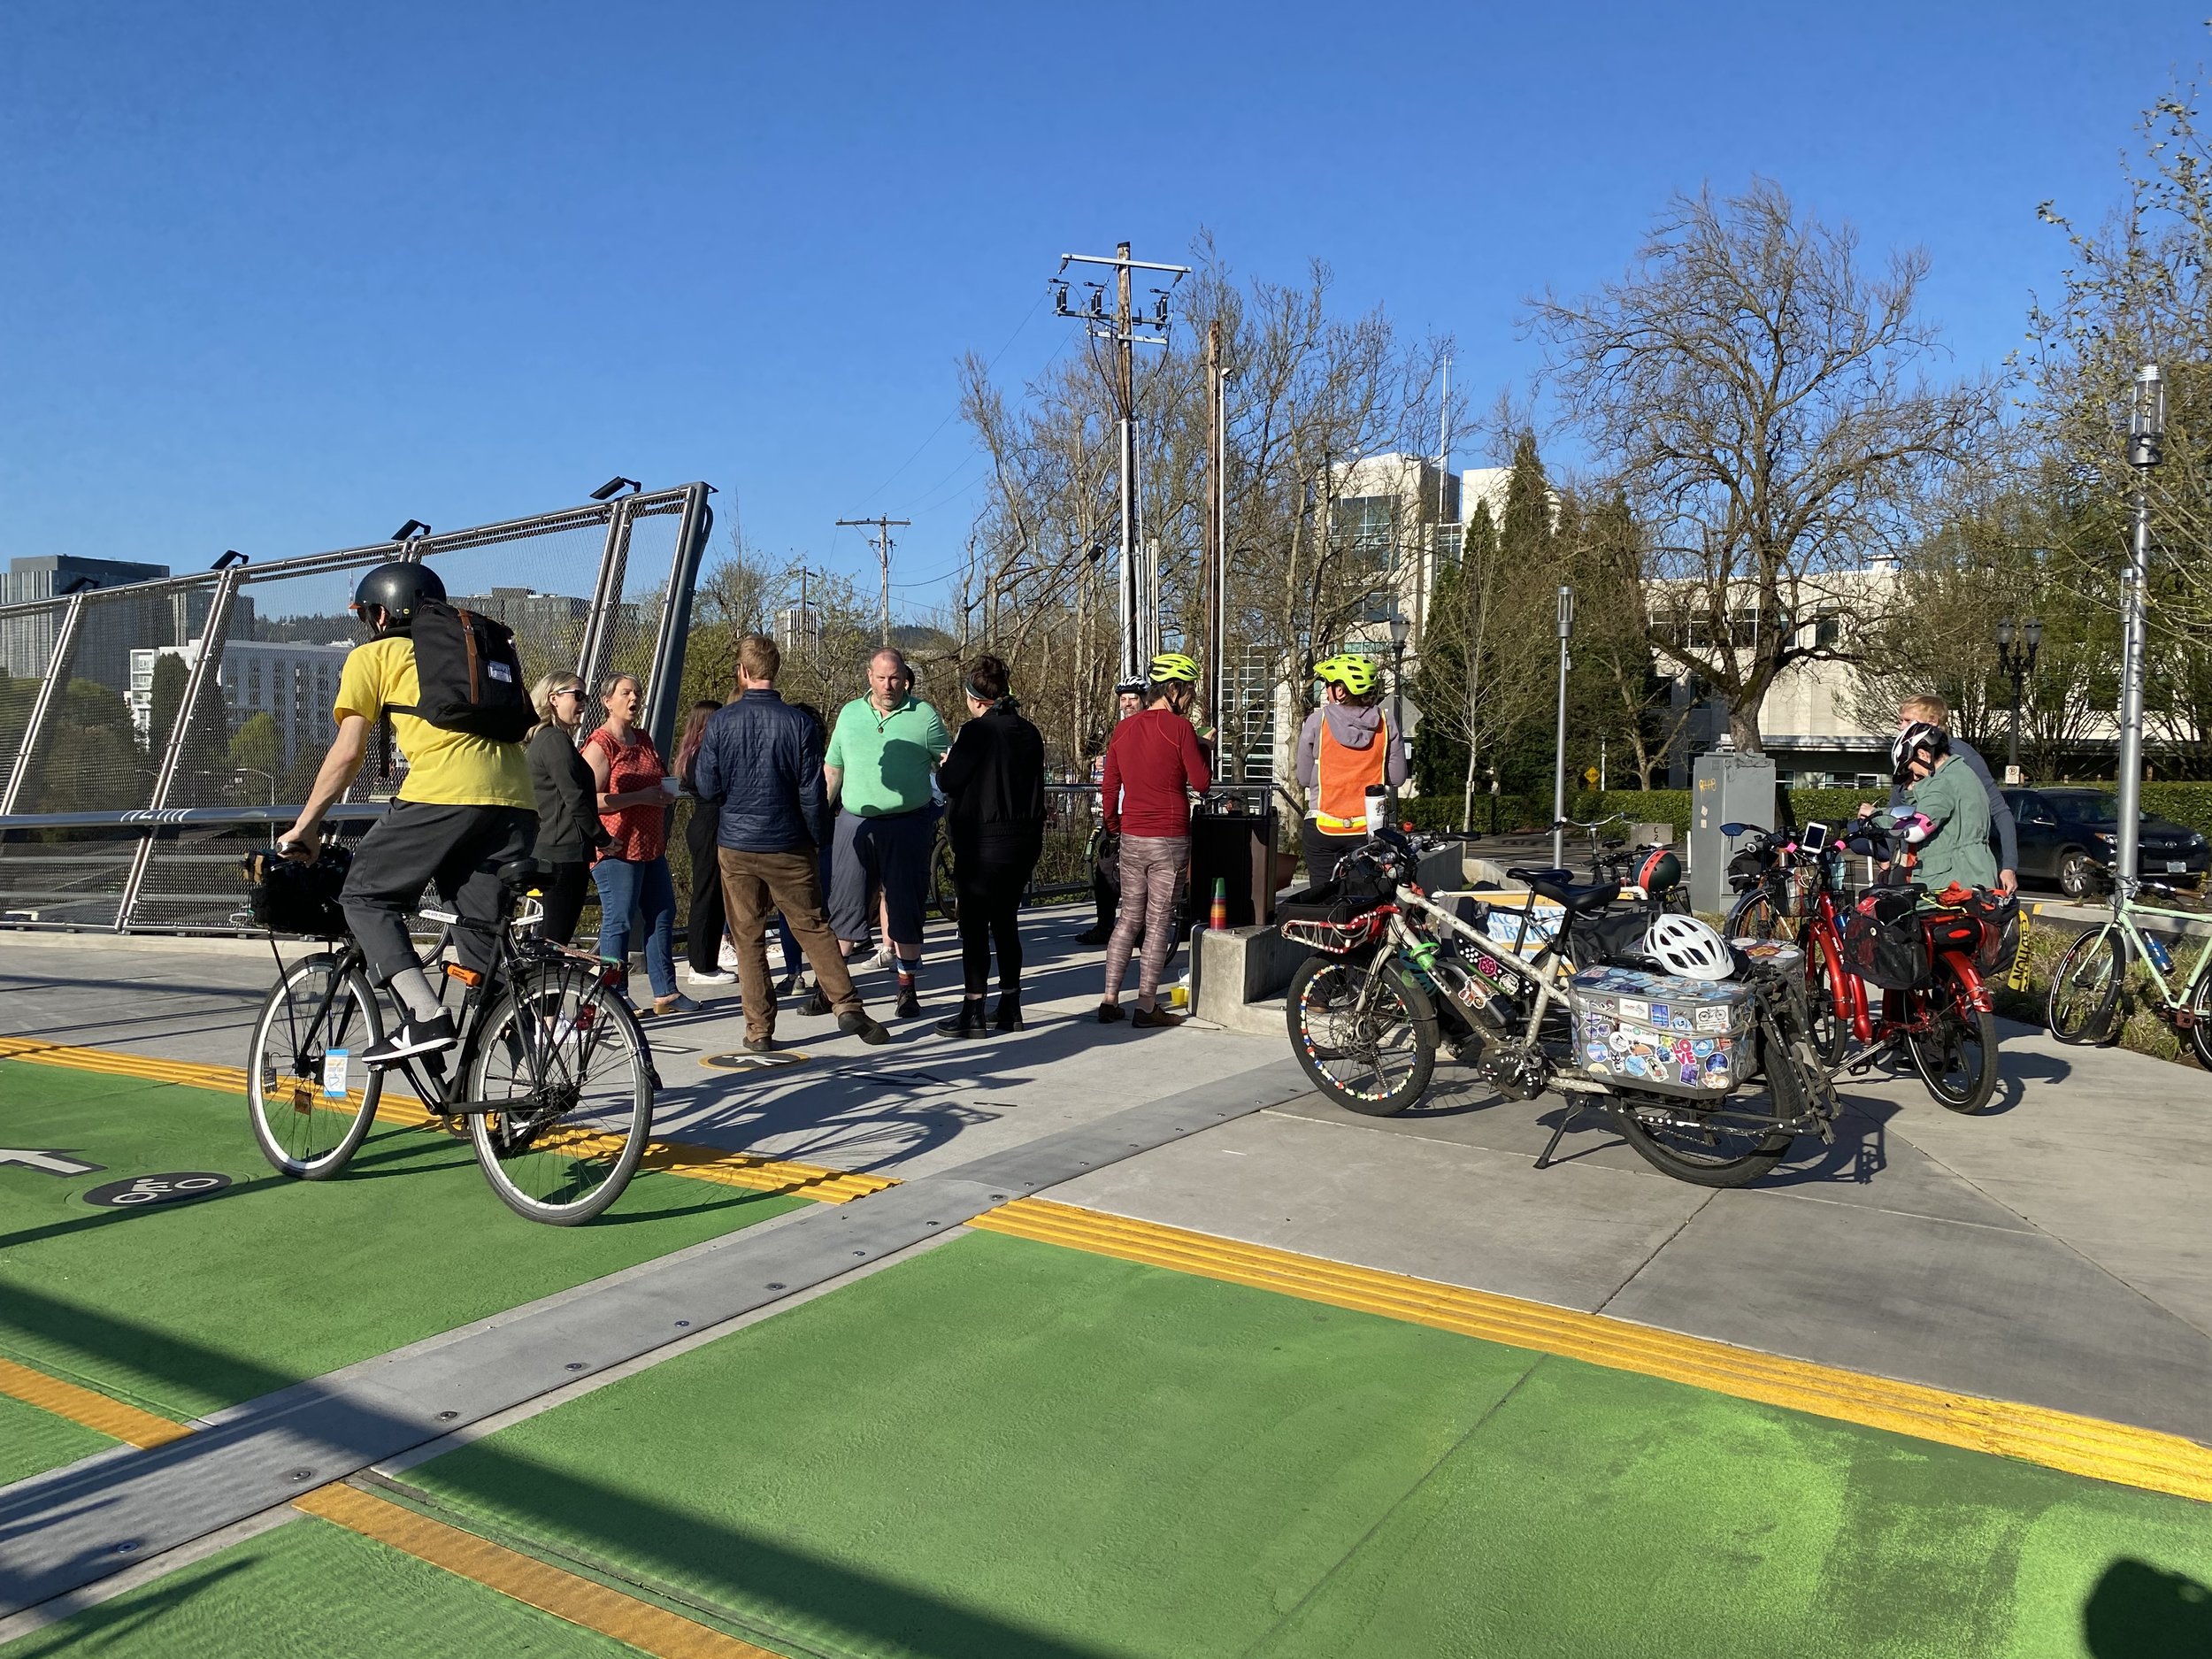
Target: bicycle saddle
[(1558, 886), (519, 874)]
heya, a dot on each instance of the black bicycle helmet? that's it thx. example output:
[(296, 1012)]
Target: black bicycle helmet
[(1921, 738), (398, 587)]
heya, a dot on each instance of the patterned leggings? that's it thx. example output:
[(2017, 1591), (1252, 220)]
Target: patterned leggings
[(1150, 867)]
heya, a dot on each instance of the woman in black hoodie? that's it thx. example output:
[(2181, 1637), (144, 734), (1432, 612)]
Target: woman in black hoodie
[(994, 780)]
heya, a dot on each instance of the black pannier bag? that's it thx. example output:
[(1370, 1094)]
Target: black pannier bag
[(1883, 940), (469, 674), (1745, 869), (296, 898), (1614, 935)]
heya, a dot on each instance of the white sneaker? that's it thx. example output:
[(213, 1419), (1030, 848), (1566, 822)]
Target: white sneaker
[(728, 960), (883, 959), (720, 976)]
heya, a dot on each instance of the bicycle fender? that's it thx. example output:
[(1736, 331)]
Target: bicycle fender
[(1977, 994)]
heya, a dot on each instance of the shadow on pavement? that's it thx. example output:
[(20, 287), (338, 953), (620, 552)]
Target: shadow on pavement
[(806, 1593), (2139, 1612)]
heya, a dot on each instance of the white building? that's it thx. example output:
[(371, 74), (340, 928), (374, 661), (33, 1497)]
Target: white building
[(293, 682)]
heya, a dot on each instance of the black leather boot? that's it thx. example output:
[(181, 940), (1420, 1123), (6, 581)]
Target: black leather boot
[(1008, 1017), (967, 1022)]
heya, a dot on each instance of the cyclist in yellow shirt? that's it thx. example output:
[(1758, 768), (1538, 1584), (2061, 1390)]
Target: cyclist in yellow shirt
[(466, 807)]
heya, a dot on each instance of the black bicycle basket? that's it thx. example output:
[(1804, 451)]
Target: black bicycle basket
[(287, 897), (1884, 943)]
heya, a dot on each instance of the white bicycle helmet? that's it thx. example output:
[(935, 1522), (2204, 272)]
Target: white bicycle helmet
[(1683, 945)]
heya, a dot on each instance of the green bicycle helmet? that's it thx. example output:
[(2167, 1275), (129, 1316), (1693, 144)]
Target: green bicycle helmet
[(1172, 668), (1356, 674)]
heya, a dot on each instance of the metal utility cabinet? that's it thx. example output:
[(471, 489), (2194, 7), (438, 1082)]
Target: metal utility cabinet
[(1726, 788)]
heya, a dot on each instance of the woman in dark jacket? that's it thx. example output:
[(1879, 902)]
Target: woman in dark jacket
[(705, 922), (994, 781), (568, 807)]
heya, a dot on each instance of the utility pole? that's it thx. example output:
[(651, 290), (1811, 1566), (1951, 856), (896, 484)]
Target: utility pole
[(881, 540), (810, 629), (1140, 620)]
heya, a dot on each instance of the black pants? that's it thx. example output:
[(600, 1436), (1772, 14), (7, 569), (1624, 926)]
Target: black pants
[(989, 876), (564, 888), (703, 923), (1322, 850), (459, 849)]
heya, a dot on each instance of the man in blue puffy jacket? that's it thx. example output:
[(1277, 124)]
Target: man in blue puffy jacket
[(759, 757)]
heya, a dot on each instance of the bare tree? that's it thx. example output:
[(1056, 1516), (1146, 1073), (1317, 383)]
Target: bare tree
[(1760, 401)]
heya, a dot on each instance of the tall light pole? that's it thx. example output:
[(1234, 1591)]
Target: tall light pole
[(2016, 657), (1559, 755), (1399, 629), (2146, 436)]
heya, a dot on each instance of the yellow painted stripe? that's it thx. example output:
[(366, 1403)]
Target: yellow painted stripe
[(2057, 1440), (579, 1600), (94, 1410), (700, 1164)]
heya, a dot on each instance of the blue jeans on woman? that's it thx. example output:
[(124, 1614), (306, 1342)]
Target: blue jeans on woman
[(623, 884)]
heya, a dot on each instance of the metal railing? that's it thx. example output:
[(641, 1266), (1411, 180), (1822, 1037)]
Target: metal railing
[(146, 727)]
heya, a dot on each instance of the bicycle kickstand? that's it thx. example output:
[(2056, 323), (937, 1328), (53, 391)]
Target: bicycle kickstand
[(1576, 1106)]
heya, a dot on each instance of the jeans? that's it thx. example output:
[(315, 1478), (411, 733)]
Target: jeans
[(623, 885)]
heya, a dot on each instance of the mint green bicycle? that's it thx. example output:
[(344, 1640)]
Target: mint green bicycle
[(2086, 986)]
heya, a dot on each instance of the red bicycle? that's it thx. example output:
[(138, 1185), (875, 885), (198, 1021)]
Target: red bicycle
[(1883, 974)]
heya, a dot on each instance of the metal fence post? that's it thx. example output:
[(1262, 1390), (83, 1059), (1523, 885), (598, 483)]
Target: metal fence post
[(49, 691), (214, 635), (591, 653), (666, 696)]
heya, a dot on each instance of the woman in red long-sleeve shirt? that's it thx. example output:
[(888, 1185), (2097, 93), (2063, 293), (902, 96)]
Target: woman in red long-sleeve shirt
[(1152, 764)]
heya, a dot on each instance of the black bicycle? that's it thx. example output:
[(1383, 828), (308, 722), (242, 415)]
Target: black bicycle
[(552, 1074)]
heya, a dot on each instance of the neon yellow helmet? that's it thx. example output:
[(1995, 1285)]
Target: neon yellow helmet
[(1356, 674), (1173, 667)]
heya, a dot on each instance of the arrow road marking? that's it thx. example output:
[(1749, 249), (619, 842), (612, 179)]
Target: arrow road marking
[(52, 1161)]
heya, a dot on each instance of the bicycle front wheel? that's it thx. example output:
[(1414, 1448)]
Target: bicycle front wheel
[(2200, 1005), (1757, 917), (309, 1112), (1956, 1055), (1375, 1059), (560, 1090), (2085, 986)]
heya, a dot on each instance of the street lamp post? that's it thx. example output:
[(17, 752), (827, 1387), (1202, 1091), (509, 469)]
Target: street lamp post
[(2016, 656), (2146, 436), (1399, 629), (1559, 757)]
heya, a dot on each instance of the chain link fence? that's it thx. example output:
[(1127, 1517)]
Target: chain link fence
[(153, 731)]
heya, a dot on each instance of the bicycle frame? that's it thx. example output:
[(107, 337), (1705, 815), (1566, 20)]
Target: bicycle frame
[(2125, 911)]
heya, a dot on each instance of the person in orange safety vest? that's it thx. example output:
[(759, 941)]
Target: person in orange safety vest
[(1347, 748)]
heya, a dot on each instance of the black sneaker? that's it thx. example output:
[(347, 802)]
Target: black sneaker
[(760, 1045), (414, 1036), (819, 1003), (857, 1023), (909, 1004), (1108, 1012), (1094, 935)]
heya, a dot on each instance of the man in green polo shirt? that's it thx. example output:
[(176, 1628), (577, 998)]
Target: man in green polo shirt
[(883, 751)]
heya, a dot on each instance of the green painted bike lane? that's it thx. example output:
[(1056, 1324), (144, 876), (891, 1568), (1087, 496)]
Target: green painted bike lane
[(1007, 1447), (183, 1309)]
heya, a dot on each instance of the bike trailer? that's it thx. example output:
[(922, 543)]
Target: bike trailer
[(1660, 1032), (1884, 943)]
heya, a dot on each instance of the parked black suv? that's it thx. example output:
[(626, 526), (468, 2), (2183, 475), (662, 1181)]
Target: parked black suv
[(2066, 837)]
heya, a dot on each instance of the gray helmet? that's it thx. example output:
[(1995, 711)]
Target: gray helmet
[(398, 587)]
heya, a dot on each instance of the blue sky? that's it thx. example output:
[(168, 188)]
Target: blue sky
[(277, 277)]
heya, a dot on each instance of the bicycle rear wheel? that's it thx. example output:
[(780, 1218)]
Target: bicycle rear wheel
[(1956, 1057), (2085, 986), (1730, 1143), (314, 1023), (560, 1090)]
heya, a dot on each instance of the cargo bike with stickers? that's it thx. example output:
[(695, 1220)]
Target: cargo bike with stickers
[(1700, 1052)]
